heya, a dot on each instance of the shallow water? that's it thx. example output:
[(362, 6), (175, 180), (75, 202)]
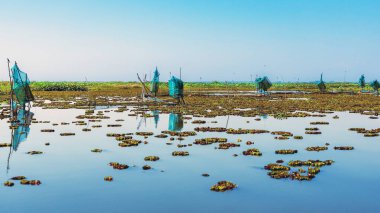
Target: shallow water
[(72, 176)]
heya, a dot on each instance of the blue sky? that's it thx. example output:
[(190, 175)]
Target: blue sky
[(210, 39)]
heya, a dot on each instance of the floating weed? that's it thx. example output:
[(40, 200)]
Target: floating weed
[(180, 153), (152, 158), (223, 186)]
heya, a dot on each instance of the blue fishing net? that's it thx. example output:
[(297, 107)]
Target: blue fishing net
[(175, 87), (21, 87), (321, 84), (362, 81), (263, 84), (375, 85), (155, 82)]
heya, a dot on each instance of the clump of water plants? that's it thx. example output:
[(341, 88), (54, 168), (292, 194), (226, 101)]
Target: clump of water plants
[(316, 148), (228, 145), (210, 129), (152, 158), (129, 143), (5, 145), (146, 167), (67, 134), (179, 134), (252, 152), (108, 178), (123, 138), (18, 178), (114, 125), (319, 123), (223, 186), (198, 122), (343, 147), (207, 141), (30, 182), (161, 136), (180, 153), (47, 130), (118, 166), (34, 153), (286, 151), (314, 163), (8, 183), (277, 167), (144, 133)]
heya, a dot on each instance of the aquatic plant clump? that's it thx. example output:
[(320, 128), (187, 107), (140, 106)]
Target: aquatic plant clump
[(252, 152), (315, 163), (207, 141), (343, 147), (8, 183), (34, 153), (118, 166), (108, 178), (30, 182), (286, 151), (317, 148), (210, 129), (129, 143), (228, 145), (180, 153), (223, 186), (152, 158)]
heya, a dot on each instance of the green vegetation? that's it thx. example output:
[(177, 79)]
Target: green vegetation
[(189, 86)]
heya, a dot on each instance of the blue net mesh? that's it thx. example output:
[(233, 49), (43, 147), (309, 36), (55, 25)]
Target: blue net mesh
[(362, 81), (175, 87), (21, 87), (263, 84), (375, 85), (321, 84), (155, 81)]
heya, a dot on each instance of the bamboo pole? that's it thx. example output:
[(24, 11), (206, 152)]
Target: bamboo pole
[(11, 88)]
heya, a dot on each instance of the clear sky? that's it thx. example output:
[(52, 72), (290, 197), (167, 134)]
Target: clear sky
[(210, 39)]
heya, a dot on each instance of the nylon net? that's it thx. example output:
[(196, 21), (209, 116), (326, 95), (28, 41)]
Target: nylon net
[(175, 87), (21, 86)]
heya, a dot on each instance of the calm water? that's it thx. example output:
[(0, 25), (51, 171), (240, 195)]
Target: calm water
[(72, 176)]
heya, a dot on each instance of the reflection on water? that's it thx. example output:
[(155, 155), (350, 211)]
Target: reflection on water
[(156, 116), (175, 122), (20, 127)]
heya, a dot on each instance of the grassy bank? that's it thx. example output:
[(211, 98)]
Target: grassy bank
[(189, 86)]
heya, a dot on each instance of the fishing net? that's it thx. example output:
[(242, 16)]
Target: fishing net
[(175, 122), (21, 86), (263, 84), (321, 85), (175, 87), (375, 85), (155, 82), (362, 81)]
